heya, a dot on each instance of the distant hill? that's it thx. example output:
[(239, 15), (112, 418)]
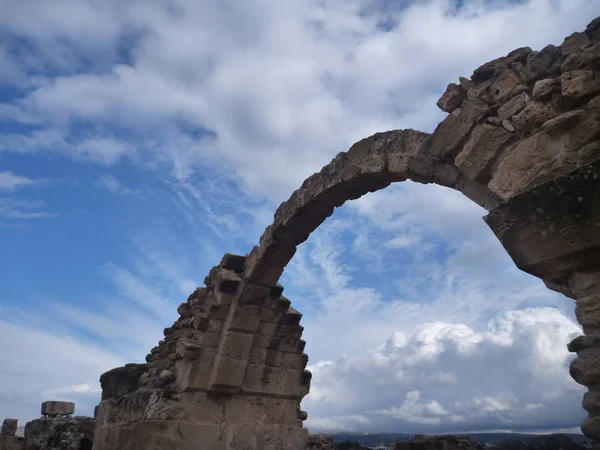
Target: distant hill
[(482, 438)]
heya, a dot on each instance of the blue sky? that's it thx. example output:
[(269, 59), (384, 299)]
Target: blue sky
[(142, 140)]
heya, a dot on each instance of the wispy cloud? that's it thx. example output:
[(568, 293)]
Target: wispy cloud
[(114, 186), (11, 182), (22, 209)]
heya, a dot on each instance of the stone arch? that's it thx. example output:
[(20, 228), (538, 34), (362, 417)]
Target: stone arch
[(522, 139)]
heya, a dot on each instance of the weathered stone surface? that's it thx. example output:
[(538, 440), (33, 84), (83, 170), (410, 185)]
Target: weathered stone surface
[(60, 433), (544, 63), (543, 89), (450, 135), (452, 98), (578, 86), (573, 42), (513, 106), (563, 122), (320, 442), (587, 57), (57, 408), (533, 115), (481, 150), (560, 234), (503, 86), (9, 427)]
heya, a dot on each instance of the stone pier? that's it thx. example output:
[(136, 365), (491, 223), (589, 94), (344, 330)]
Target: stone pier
[(522, 140)]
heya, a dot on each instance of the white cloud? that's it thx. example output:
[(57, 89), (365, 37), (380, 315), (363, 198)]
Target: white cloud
[(499, 378), (280, 87), (114, 186), (22, 209), (11, 182)]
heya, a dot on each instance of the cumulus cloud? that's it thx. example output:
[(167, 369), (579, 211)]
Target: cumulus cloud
[(449, 377)]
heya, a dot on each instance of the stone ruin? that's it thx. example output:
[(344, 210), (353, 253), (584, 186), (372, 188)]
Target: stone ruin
[(522, 139), (57, 429)]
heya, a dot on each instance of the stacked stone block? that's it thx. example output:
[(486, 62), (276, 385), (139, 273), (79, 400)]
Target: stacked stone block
[(8, 437), (227, 372)]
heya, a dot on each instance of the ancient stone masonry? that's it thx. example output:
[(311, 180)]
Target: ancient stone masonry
[(8, 438), (178, 400), (55, 430), (522, 139)]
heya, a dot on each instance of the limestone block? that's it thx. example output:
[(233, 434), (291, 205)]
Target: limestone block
[(227, 374), (195, 374), (264, 265), (243, 437), (578, 86), (452, 98), (585, 58), (286, 437), (453, 130), (210, 340), (533, 115), (503, 86), (478, 193), (161, 435), (591, 401), (236, 344), (591, 427), (543, 89), (9, 427), (267, 357), (574, 42), (295, 360), (189, 349), (513, 106), (563, 122), (481, 150), (283, 411), (446, 175), (585, 369), (261, 379), (522, 163), (233, 262), (253, 294), (246, 318), (120, 380), (294, 383), (57, 408), (422, 167), (544, 63)]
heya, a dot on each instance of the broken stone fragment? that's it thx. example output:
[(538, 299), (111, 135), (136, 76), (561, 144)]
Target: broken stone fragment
[(166, 376), (544, 63), (578, 86), (508, 126), (563, 122), (543, 89), (513, 106), (452, 98), (9, 427), (574, 42), (56, 408)]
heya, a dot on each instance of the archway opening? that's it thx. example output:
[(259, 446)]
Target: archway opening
[(85, 444), (410, 310)]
